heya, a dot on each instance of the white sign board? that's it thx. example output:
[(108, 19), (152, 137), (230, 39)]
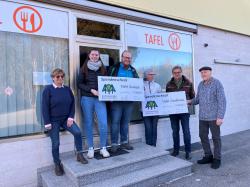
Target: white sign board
[(105, 59), (23, 18), (165, 104), (120, 89), (145, 37), (42, 78)]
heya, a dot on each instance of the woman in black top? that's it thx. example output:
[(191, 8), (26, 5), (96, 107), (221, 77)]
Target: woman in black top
[(88, 84)]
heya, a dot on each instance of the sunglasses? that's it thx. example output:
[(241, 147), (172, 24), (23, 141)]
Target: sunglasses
[(59, 76)]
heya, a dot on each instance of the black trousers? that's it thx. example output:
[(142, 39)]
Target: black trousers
[(204, 127)]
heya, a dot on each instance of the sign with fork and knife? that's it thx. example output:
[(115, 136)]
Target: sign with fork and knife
[(31, 19)]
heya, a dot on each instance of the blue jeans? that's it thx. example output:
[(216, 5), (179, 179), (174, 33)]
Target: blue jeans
[(89, 106), (120, 117), (150, 123), (175, 124), (54, 136)]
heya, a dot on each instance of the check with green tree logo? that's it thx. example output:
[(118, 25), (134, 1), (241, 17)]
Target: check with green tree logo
[(120, 89), (164, 104)]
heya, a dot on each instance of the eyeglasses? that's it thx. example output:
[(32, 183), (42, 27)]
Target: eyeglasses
[(177, 72), (59, 76), (126, 57)]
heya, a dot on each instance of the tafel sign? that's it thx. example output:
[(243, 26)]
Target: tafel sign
[(30, 19)]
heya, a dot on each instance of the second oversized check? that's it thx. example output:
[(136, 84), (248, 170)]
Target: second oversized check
[(165, 104), (120, 89)]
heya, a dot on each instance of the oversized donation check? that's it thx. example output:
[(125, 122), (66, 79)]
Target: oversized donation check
[(165, 104), (120, 89)]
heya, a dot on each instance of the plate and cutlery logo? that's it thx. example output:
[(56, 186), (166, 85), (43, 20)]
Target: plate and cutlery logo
[(174, 41), (28, 19)]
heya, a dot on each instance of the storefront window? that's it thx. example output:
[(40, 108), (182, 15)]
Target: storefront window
[(22, 56), (160, 50), (98, 29)]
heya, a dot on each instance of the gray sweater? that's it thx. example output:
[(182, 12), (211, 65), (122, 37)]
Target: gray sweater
[(211, 99)]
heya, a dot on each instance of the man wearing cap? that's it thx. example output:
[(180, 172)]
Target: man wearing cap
[(180, 82), (150, 122), (212, 107)]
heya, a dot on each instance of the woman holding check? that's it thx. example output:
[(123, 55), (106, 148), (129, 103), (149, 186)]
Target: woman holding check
[(150, 122)]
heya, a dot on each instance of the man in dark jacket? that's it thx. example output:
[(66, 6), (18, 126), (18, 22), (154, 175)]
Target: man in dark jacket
[(121, 110), (180, 83)]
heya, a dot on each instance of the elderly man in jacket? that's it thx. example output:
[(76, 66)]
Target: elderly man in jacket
[(212, 107)]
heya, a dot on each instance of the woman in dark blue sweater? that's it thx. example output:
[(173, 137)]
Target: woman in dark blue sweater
[(88, 84), (58, 108)]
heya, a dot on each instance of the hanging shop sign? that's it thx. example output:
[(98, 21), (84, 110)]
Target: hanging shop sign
[(146, 37), (23, 18)]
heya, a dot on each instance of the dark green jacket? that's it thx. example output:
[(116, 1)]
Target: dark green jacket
[(113, 71)]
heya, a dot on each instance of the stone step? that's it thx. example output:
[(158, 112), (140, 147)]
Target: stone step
[(49, 179), (142, 156), (143, 166), (170, 168)]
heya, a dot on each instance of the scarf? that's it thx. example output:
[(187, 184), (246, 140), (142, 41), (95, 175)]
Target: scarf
[(94, 65)]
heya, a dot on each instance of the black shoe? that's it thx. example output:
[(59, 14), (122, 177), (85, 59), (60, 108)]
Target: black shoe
[(175, 153), (206, 160), (80, 158), (126, 146), (215, 164), (59, 171), (187, 156), (114, 148)]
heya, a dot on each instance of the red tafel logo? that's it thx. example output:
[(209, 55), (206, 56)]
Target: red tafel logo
[(28, 19), (174, 41)]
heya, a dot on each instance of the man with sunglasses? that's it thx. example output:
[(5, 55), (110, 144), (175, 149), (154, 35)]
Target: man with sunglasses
[(180, 82)]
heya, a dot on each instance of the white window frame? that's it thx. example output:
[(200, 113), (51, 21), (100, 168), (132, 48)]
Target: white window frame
[(99, 18)]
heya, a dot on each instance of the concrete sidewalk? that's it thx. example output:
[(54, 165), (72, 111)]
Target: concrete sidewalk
[(234, 171)]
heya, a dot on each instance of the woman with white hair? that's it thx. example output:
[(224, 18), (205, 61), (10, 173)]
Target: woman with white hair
[(150, 122)]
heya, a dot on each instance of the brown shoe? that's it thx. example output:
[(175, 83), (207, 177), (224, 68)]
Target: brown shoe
[(59, 171), (80, 158)]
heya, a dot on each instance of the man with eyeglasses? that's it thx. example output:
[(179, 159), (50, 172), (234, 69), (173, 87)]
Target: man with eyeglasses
[(121, 111), (180, 82)]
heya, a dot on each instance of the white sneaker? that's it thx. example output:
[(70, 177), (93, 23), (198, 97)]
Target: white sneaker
[(104, 152), (91, 153)]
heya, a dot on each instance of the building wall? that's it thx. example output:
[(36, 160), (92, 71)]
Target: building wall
[(221, 14), (21, 158), (225, 46)]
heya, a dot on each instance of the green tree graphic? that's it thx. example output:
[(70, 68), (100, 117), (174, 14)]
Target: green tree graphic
[(108, 88), (151, 105)]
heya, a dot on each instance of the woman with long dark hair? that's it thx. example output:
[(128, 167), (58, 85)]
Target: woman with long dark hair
[(88, 84)]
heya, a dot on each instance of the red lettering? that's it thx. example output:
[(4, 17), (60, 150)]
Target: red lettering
[(151, 41), (146, 37), (154, 39)]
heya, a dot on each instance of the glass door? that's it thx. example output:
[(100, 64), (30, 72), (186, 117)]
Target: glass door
[(109, 55)]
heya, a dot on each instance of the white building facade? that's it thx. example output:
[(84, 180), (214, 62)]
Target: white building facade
[(37, 37)]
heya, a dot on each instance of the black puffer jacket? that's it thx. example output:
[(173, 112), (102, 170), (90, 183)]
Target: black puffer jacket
[(86, 83)]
